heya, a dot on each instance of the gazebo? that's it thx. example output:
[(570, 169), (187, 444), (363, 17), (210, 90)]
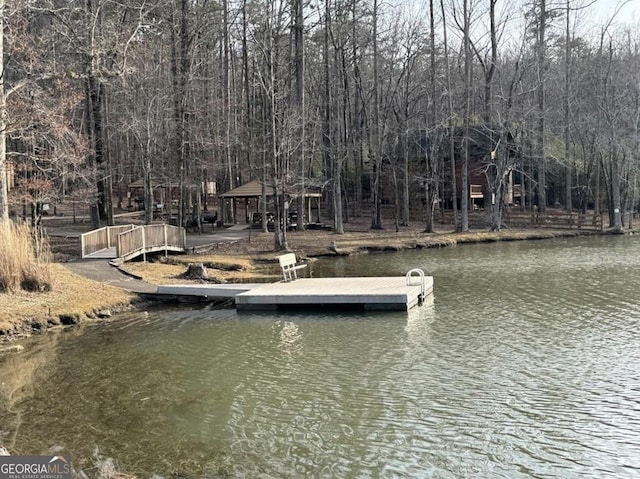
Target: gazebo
[(161, 192), (252, 191)]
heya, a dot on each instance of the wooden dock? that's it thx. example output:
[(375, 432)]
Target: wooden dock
[(377, 293)]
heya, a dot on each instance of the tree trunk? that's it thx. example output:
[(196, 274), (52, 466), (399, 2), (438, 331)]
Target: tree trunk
[(376, 153), (4, 187), (96, 99), (337, 201), (148, 196), (298, 73), (357, 135), (280, 227), (226, 98), (616, 203), (464, 201), (542, 172), (567, 85), (451, 122)]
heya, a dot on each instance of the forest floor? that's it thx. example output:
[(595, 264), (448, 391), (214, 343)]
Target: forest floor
[(253, 259)]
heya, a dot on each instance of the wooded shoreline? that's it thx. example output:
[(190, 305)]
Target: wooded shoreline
[(73, 299)]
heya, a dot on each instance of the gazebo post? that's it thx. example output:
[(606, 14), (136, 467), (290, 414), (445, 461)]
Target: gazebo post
[(223, 210), (234, 210)]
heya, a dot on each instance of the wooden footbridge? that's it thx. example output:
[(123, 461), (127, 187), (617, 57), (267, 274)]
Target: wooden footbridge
[(130, 241)]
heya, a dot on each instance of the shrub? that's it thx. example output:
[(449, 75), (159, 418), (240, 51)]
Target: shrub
[(24, 258)]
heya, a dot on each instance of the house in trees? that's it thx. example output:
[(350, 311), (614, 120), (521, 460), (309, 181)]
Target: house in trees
[(246, 200), (489, 154)]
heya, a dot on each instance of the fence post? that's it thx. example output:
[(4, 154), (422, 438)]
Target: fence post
[(166, 241), (144, 244)]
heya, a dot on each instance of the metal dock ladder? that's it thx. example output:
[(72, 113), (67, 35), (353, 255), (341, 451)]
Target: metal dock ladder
[(409, 277)]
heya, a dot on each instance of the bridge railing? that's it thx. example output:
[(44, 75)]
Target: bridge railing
[(150, 238), (102, 238)]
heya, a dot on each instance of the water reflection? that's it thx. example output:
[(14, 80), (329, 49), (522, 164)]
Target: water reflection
[(523, 364), (290, 337), (20, 379)]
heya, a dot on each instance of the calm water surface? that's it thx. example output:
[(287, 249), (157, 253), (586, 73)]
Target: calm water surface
[(526, 364)]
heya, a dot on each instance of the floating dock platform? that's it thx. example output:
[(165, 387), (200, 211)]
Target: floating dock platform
[(368, 293), (387, 293)]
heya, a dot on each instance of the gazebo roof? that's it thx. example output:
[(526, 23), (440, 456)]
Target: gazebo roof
[(253, 189)]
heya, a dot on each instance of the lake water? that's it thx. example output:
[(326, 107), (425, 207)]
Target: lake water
[(525, 364)]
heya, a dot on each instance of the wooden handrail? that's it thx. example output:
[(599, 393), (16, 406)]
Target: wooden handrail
[(150, 238), (100, 239)]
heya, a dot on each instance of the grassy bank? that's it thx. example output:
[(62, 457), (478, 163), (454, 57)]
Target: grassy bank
[(71, 299), (36, 293)]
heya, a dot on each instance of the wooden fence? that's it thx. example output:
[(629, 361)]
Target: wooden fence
[(514, 218), (554, 219)]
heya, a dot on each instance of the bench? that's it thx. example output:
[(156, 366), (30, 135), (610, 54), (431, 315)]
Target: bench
[(289, 266)]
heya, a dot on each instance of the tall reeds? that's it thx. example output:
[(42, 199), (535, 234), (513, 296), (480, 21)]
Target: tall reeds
[(24, 258)]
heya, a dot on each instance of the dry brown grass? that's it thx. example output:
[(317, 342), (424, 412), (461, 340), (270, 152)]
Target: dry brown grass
[(24, 259), (70, 295), (233, 268)]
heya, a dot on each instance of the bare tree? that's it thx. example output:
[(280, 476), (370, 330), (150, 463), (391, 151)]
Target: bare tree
[(4, 189), (464, 200), (376, 148), (451, 120)]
